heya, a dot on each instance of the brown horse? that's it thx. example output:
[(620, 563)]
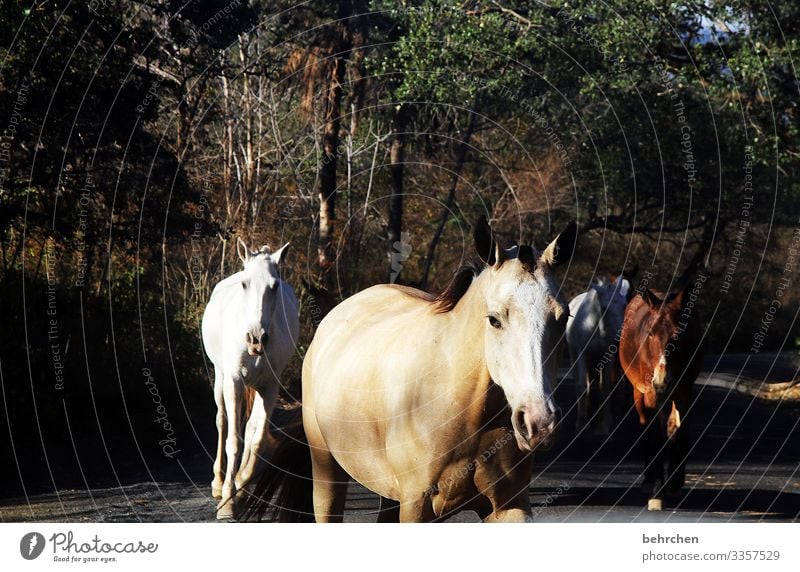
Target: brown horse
[(433, 403), (661, 356)]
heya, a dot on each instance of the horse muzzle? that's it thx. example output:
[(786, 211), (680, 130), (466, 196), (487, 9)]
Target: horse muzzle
[(535, 426), (256, 345)]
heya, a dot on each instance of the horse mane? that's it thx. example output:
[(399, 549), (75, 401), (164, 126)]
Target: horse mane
[(457, 287)]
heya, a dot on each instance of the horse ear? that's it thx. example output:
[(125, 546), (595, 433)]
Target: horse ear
[(561, 249), (500, 255), (485, 244), (650, 299), (242, 250), (279, 254), (677, 299), (624, 287)]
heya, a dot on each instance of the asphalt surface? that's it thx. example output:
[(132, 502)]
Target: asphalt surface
[(744, 466)]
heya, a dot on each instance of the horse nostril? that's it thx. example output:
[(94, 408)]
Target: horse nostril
[(249, 338), (263, 340), (520, 422), (530, 425)]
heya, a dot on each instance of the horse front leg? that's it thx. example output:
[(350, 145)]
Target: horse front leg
[(678, 448), (233, 394), (219, 460), (416, 509), (651, 445), (516, 510), (516, 514)]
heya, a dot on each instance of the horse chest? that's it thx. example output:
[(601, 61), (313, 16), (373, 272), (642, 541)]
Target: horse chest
[(253, 370)]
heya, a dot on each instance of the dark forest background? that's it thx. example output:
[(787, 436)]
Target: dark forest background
[(141, 139)]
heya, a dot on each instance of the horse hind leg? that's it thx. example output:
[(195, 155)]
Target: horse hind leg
[(219, 460), (329, 478), (330, 486), (245, 471), (258, 443)]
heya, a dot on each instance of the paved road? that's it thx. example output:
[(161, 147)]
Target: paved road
[(744, 467)]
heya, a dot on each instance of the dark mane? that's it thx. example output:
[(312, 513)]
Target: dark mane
[(457, 287)]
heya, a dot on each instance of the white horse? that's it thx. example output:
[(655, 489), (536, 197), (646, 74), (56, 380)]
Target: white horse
[(250, 329), (593, 332)]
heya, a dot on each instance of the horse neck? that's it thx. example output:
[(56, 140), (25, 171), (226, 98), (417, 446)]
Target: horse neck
[(464, 337)]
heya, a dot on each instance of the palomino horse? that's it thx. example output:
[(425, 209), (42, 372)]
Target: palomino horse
[(435, 403), (250, 328), (593, 332), (661, 356)]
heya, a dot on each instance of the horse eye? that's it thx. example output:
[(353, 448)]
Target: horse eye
[(494, 322), (244, 285)]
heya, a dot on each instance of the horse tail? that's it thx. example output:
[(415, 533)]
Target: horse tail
[(284, 490)]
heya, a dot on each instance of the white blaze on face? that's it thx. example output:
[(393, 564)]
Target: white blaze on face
[(660, 372), (518, 342), (259, 285)]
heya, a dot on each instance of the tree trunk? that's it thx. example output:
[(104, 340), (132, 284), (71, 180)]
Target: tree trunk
[(461, 154), (327, 178), (397, 155), (227, 172), (248, 183)]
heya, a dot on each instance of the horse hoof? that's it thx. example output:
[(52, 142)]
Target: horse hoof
[(654, 504), (216, 492), (225, 510)]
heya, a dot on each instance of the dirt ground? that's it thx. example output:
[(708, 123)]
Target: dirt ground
[(745, 466)]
